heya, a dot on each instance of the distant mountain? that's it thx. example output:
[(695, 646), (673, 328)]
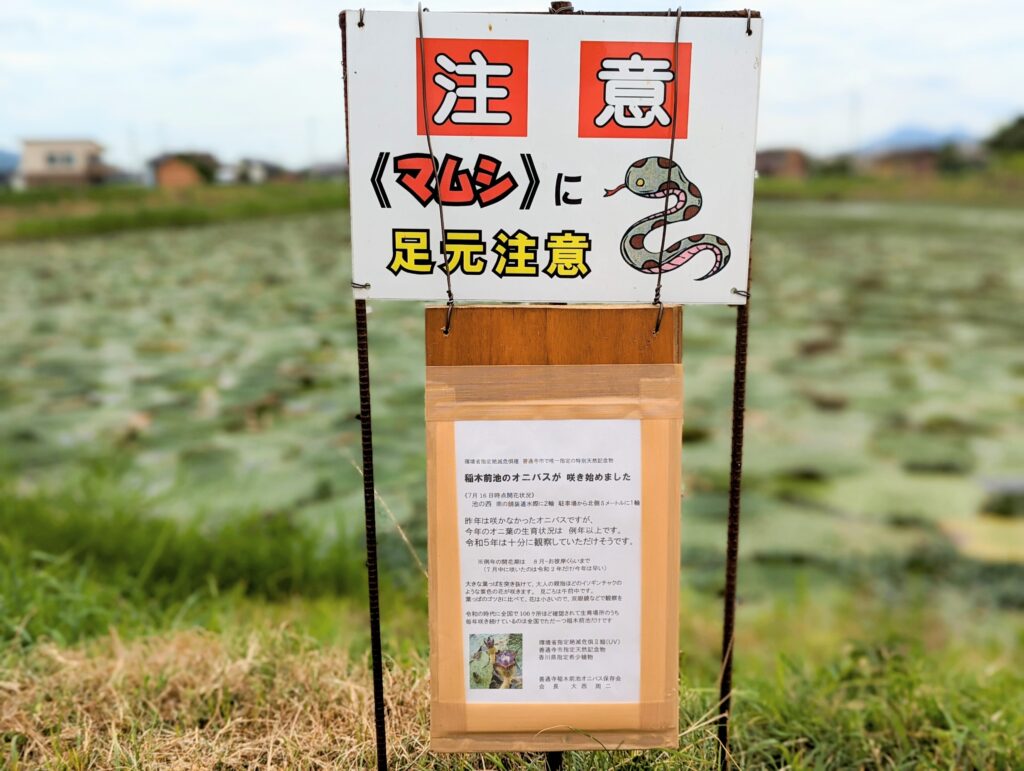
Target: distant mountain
[(912, 137), (8, 161)]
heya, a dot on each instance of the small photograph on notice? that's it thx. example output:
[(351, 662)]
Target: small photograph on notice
[(496, 661)]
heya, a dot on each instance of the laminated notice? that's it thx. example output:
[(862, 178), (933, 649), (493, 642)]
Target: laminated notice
[(553, 528)]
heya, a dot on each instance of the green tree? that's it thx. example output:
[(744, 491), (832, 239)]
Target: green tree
[(1009, 138)]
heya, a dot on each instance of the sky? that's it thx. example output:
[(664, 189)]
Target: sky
[(251, 78)]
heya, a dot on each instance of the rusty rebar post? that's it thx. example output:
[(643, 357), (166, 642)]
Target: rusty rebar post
[(370, 509), (739, 393)]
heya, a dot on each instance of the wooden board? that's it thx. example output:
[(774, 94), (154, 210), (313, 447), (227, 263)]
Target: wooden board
[(553, 334)]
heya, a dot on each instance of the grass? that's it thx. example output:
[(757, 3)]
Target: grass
[(1001, 184), (64, 578), (181, 578), (970, 189), (262, 697), (67, 213)]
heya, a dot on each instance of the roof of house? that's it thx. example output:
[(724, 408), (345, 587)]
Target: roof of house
[(187, 156), (780, 151), (91, 142), (268, 165), (911, 153)]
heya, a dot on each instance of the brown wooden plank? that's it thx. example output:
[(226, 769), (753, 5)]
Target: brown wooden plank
[(553, 334)]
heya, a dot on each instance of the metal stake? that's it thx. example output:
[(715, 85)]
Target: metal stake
[(370, 508), (739, 392)]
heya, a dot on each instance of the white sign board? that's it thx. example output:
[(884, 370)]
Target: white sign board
[(551, 137), (549, 557)]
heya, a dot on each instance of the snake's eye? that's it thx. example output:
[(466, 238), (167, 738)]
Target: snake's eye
[(640, 183)]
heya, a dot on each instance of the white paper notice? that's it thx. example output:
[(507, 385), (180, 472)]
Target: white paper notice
[(550, 525)]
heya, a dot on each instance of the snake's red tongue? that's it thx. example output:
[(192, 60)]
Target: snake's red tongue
[(613, 191)]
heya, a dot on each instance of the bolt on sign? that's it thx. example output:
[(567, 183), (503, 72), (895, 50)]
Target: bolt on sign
[(551, 139), (576, 159)]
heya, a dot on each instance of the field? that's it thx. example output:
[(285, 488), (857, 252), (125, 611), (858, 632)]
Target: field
[(55, 213), (1000, 183), (181, 558)]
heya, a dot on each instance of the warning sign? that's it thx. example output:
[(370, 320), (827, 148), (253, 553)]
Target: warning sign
[(553, 156)]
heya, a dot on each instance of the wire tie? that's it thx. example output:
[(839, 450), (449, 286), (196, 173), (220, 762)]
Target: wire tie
[(448, 317), (433, 160), (362, 19), (749, 30), (671, 156)]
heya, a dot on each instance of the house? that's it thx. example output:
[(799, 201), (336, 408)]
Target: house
[(783, 162), (176, 171), (227, 174), (254, 171), (912, 162), (61, 162), (326, 171)]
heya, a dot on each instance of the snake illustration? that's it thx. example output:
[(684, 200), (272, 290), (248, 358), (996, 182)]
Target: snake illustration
[(657, 177)]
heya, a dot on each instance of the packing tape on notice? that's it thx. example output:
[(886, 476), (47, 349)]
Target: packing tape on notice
[(460, 717), (590, 391), (651, 393)]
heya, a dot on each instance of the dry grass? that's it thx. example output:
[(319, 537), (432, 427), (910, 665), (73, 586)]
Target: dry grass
[(194, 700), (278, 699)]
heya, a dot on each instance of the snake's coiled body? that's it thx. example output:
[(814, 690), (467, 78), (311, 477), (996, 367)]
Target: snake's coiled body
[(657, 177)]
